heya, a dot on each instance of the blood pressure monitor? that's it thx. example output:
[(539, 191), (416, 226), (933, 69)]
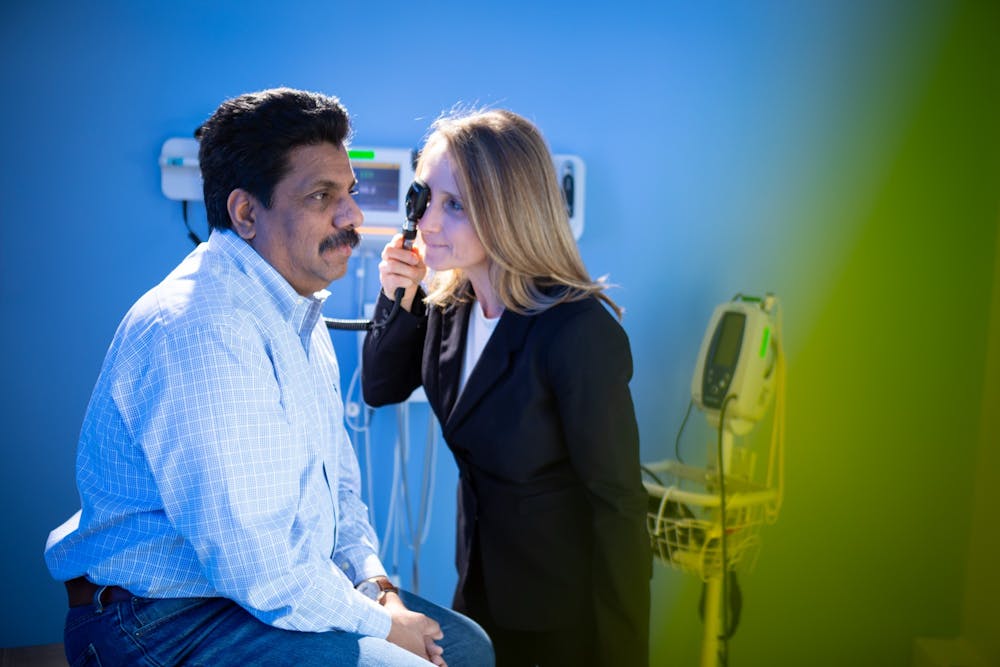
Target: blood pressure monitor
[(736, 363)]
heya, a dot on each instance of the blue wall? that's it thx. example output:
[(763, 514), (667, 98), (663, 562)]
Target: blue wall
[(729, 146)]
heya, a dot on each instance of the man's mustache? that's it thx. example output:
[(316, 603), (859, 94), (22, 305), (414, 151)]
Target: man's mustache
[(345, 237)]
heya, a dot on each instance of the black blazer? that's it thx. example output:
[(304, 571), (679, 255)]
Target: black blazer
[(547, 447)]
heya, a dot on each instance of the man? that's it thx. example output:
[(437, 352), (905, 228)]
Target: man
[(221, 521)]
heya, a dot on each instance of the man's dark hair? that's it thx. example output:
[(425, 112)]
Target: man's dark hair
[(246, 142)]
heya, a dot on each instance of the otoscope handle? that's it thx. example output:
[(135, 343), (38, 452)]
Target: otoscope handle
[(417, 198), (409, 234)]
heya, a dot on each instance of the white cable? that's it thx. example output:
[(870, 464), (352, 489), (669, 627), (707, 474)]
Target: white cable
[(389, 525), (429, 478), (369, 472), (397, 528), (403, 425)]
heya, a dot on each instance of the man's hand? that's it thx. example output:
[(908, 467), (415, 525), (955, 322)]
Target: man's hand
[(414, 632)]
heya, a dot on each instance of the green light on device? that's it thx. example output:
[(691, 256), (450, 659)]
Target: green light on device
[(361, 155), (763, 344)]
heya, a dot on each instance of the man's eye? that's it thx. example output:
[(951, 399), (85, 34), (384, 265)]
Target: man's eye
[(318, 196), (355, 191)]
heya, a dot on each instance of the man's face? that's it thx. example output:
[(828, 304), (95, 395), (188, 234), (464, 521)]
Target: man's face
[(308, 232)]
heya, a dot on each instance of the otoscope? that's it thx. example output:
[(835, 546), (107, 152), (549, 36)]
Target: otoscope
[(416, 203)]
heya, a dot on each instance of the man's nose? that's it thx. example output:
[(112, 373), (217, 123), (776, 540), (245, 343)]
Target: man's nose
[(350, 215)]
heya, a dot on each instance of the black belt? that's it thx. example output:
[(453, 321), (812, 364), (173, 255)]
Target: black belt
[(81, 592)]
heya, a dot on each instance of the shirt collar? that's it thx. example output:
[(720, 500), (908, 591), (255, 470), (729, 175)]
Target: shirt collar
[(301, 312)]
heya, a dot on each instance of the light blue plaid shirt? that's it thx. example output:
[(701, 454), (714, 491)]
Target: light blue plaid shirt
[(213, 459)]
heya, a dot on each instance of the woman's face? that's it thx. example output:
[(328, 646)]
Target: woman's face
[(450, 241)]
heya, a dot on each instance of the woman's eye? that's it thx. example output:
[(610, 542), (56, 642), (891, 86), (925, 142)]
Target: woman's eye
[(454, 205)]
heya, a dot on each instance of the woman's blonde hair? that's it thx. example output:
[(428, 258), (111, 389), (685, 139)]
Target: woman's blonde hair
[(510, 191)]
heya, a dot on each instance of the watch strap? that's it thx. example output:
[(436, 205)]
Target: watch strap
[(385, 585)]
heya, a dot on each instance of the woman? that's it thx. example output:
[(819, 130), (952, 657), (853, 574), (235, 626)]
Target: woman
[(528, 373)]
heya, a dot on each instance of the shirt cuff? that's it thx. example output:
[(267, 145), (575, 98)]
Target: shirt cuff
[(374, 620), (370, 567), (359, 568)]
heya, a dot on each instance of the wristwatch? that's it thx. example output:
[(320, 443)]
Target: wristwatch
[(376, 588)]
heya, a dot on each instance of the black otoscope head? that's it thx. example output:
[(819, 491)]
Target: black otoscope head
[(416, 203)]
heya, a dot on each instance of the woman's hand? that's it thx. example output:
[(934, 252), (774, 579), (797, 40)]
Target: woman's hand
[(401, 268)]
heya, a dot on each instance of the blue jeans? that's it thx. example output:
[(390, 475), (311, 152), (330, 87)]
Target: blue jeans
[(218, 632)]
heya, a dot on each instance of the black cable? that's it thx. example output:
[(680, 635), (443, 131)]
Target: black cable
[(184, 214), (650, 473), (677, 440), (735, 599), (366, 325), (348, 325), (725, 634)]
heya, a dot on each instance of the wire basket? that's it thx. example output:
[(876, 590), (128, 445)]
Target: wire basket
[(684, 519)]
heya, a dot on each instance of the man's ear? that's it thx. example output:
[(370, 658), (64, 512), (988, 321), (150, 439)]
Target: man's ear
[(241, 205)]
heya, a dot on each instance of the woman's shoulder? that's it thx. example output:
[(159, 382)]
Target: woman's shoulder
[(586, 313), (582, 329)]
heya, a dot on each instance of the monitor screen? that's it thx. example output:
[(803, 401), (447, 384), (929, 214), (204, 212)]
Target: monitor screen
[(378, 186), (727, 342)]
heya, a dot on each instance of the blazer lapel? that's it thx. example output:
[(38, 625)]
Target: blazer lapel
[(497, 357), (454, 325)]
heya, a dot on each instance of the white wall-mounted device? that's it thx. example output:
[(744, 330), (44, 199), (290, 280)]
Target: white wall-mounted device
[(572, 174), (384, 175), (180, 177)]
